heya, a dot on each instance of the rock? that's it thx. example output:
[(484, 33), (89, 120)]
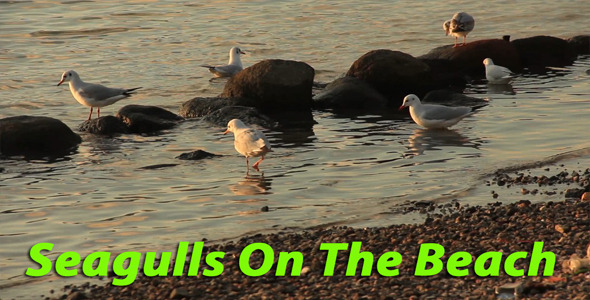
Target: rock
[(574, 193), (580, 43), (468, 59), (76, 296), (449, 97), (349, 93), (274, 85), (106, 125), (394, 74), (36, 137), (179, 293), (199, 106), (539, 52), (196, 155), (249, 115), (147, 119), (585, 197)]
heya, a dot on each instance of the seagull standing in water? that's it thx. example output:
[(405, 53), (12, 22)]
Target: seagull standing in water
[(233, 66), (93, 95), (460, 25), (434, 116), (497, 74), (248, 141)]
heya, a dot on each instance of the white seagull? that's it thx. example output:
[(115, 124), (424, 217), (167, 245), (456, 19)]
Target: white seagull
[(233, 66), (460, 25), (93, 95), (248, 141), (497, 74), (434, 116)]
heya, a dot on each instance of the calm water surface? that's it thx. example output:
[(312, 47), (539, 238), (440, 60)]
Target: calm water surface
[(346, 170)]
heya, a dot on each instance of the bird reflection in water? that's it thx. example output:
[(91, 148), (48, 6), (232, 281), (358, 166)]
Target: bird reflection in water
[(431, 139), (252, 185), (505, 89)]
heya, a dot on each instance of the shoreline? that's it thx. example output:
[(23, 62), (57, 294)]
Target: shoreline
[(563, 226)]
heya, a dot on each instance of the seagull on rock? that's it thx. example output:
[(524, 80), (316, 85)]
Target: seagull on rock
[(434, 116), (93, 95), (459, 26), (248, 141), (233, 66), (497, 74)]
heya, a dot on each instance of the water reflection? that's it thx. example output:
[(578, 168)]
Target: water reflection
[(433, 139), (252, 185), (505, 89)]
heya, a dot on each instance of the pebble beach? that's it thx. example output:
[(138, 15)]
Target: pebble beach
[(563, 226)]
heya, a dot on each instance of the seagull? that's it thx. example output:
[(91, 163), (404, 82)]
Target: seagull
[(233, 66), (497, 74), (460, 25), (434, 116), (93, 95), (248, 141)]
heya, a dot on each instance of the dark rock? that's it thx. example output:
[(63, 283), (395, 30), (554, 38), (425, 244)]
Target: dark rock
[(76, 296), (199, 106), (179, 293), (274, 85), (106, 125), (147, 119), (539, 52), (449, 97), (36, 137), (580, 43), (392, 73), (468, 59), (196, 155), (248, 115), (574, 193), (349, 93)]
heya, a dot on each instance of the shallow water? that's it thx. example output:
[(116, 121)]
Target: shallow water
[(347, 170)]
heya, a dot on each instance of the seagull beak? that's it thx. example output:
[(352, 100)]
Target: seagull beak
[(60, 82), (402, 107), (242, 52), (226, 132)]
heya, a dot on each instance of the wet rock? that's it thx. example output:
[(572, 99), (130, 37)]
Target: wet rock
[(179, 293), (36, 137), (147, 119), (580, 43), (585, 196), (349, 93), (196, 155), (394, 74), (574, 193), (106, 125), (249, 115), (274, 85), (539, 52), (200, 106), (468, 59), (76, 296), (449, 97)]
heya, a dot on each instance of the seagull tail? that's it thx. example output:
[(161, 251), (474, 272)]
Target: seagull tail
[(474, 108), (129, 92), (207, 66)]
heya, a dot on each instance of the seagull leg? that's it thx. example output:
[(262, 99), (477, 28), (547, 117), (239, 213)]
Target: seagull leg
[(90, 115), (255, 165), (455, 46), (247, 164), (98, 109), (464, 38)]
